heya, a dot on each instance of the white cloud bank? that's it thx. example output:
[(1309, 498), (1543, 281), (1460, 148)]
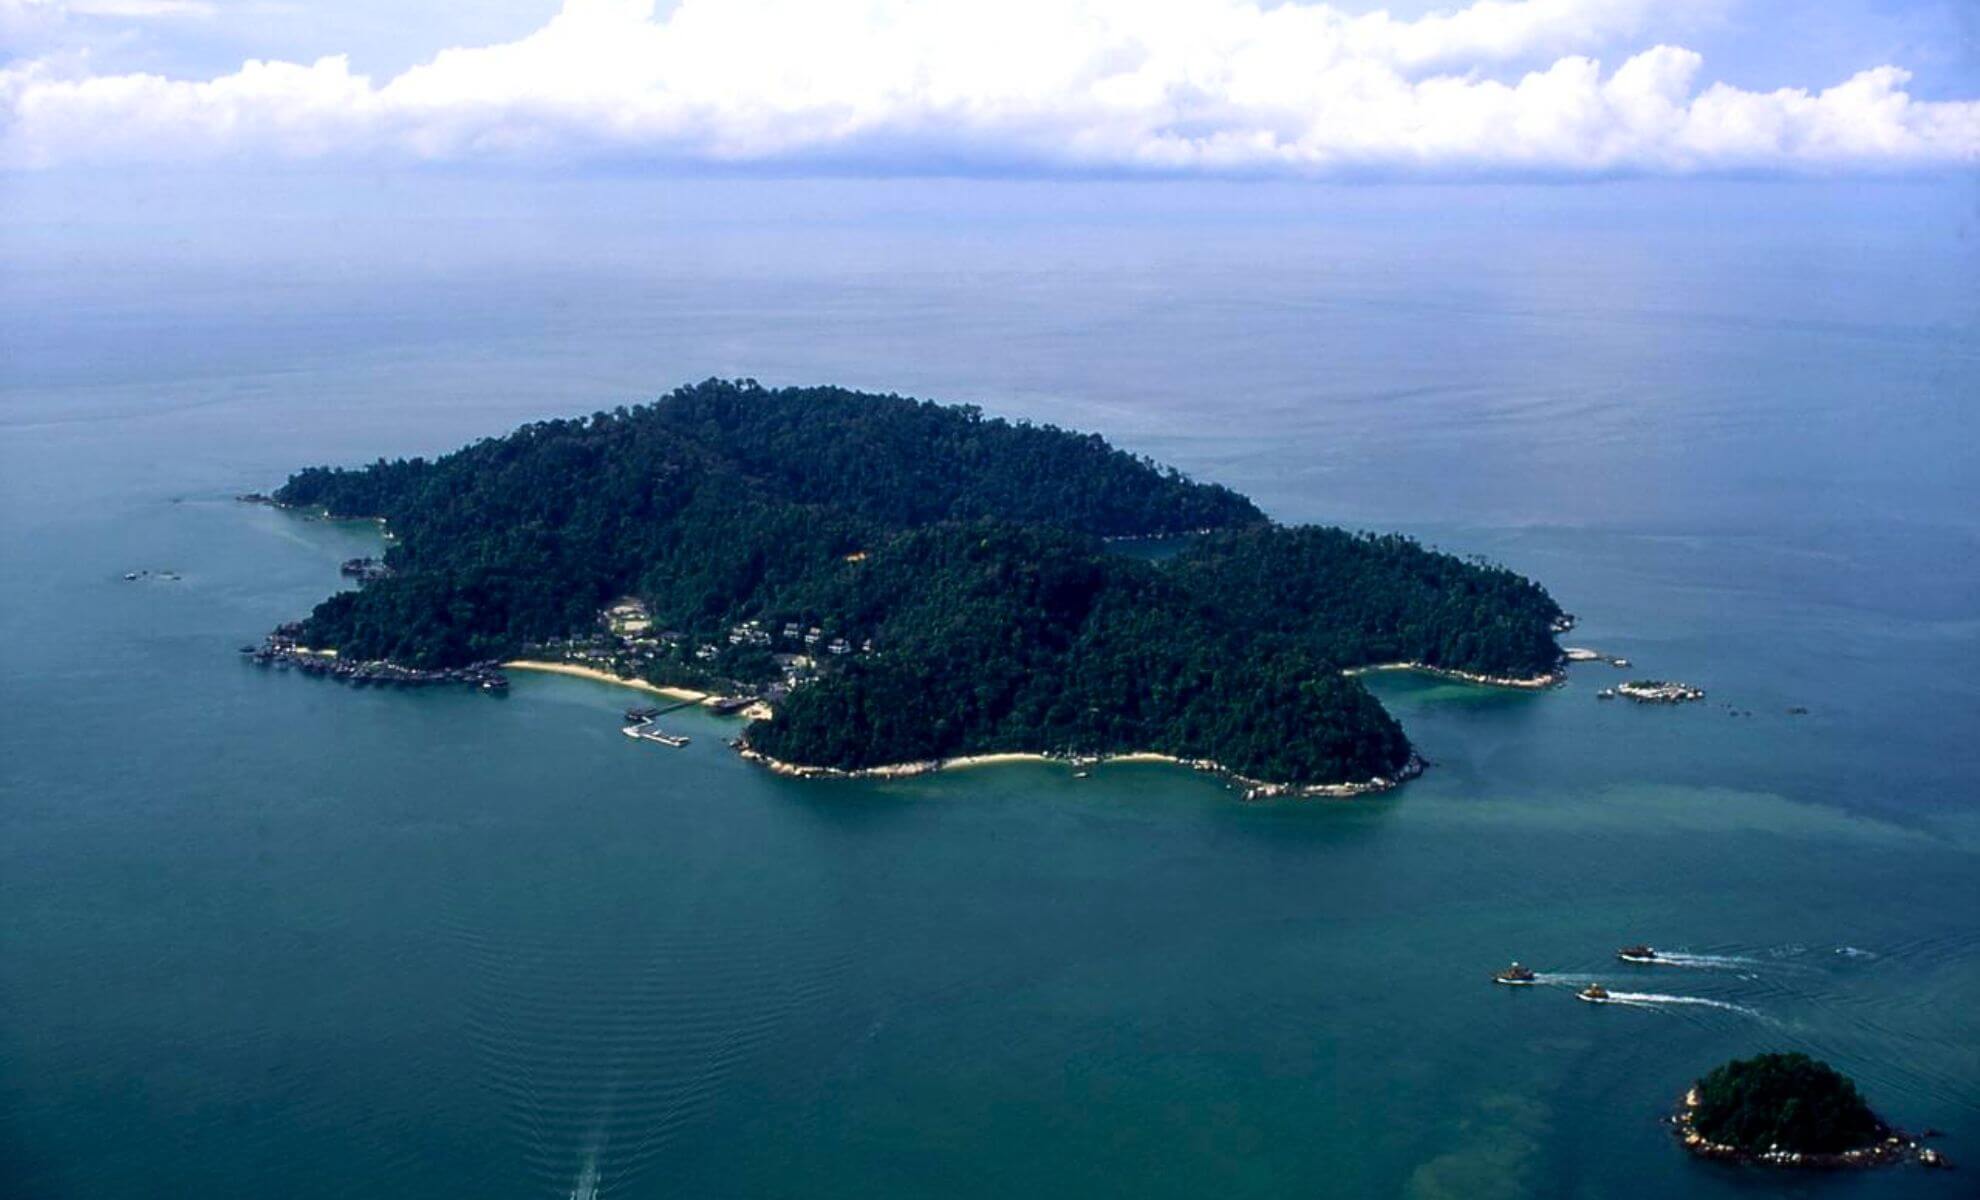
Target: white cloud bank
[(1191, 86)]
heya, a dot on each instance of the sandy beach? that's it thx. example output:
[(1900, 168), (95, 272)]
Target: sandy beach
[(990, 760), (598, 676)]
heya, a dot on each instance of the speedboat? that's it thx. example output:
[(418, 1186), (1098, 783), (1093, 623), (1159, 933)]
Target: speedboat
[(1594, 993), (1637, 954), (1515, 975)]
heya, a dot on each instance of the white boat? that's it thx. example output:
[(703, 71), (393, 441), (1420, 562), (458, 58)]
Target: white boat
[(647, 733)]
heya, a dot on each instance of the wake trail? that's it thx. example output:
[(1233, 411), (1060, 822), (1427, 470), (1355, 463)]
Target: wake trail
[(1660, 999), (1644, 999), (1709, 962)]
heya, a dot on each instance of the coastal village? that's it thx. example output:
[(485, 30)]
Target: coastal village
[(752, 660)]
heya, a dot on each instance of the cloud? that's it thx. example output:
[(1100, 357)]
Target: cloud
[(136, 10), (1045, 86)]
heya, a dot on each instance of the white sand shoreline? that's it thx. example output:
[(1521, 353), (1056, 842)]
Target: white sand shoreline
[(1254, 789), (598, 676)]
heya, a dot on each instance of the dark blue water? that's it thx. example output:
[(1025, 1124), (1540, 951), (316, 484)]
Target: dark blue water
[(266, 935)]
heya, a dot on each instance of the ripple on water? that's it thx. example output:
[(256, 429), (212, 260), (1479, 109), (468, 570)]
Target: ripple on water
[(602, 1045)]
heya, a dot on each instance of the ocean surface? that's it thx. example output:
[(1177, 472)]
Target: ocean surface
[(268, 936)]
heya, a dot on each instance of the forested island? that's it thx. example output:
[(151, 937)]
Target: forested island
[(1787, 1109), (909, 582)]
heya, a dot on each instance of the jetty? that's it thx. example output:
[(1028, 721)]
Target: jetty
[(1582, 654)]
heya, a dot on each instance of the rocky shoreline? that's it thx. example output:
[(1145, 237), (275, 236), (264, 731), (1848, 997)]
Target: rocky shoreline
[(1894, 1147), (1533, 683), (280, 649), (1253, 789), (1659, 691)]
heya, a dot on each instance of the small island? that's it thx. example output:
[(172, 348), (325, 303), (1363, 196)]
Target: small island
[(1654, 691), (903, 585), (1789, 1110)]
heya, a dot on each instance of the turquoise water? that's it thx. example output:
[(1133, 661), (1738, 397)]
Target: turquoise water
[(264, 935)]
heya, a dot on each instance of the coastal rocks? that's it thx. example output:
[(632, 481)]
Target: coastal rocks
[(281, 649), (1255, 790), (1252, 789), (802, 771), (1659, 691), (1894, 1147), (1529, 683)]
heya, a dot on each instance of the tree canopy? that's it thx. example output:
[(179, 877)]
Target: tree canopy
[(1783, 1101), (964, 556)]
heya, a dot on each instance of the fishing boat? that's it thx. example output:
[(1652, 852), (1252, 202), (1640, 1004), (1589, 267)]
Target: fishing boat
[(1515, 976), (1594, 993), (1637, 954)]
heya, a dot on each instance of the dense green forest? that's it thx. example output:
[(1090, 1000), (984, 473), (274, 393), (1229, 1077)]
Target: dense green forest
[(1785, 1101), (965, 559), (1003, 637)]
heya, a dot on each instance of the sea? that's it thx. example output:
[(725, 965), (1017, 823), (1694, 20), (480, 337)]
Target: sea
[(265, 935)]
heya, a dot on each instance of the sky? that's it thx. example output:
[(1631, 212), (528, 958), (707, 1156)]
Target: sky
[(1548, 90)]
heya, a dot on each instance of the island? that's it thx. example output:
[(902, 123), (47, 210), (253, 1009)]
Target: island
[(1659, 691), (903, 584), (1789, 1110)]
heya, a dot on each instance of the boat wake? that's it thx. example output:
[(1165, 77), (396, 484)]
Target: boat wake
[(607, 1043), (1709, 962), (586, 1186), (1642, 999), (1661, 1000)]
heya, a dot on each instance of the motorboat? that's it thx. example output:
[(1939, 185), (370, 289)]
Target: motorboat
[(1594, 993), (1637, 954), (1515, 976)]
